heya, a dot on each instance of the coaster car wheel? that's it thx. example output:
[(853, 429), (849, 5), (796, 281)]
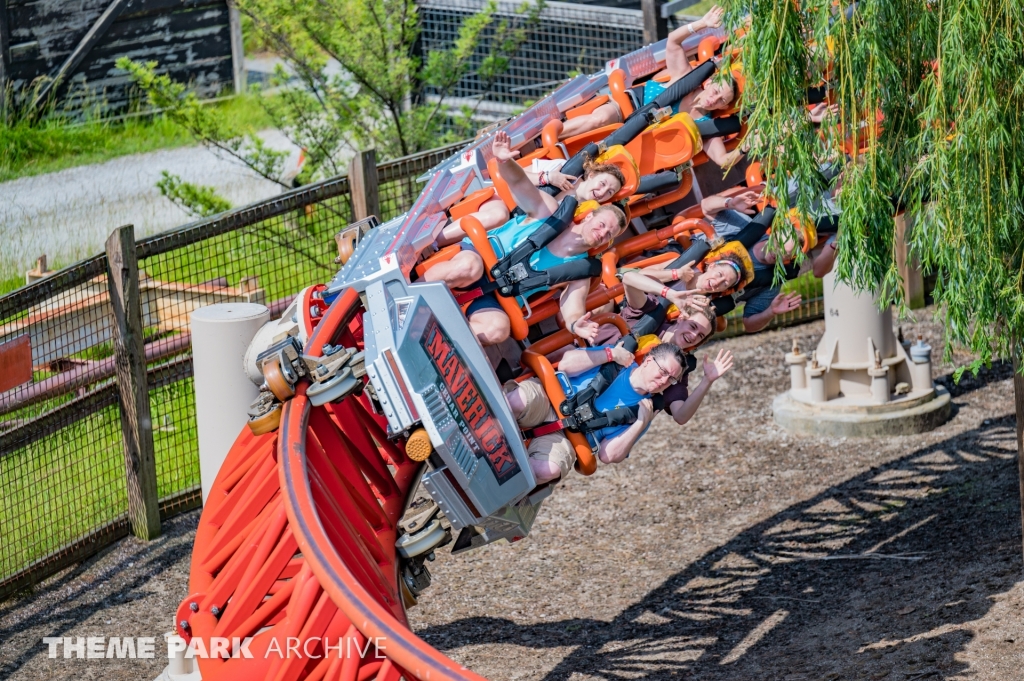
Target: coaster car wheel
[(275, 380)]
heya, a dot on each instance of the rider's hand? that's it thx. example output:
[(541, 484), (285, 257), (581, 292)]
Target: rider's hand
[(686, 273), (713, 19), (785, 302), (585, 328), (646, 413), (622, 356), (561, 180), (714, 370), (745, 202), (821, 111), (501, 147), (682, 299)]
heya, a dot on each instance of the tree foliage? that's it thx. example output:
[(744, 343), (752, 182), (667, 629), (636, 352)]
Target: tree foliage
[(198, 201), (361, 83), (945, 78)]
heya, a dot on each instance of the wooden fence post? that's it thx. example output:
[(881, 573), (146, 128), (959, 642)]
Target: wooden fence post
[(655, 25), (362, 183), (130, 362)]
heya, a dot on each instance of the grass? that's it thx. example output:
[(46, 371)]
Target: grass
[(64, 486), (57, 143), (700, 9)]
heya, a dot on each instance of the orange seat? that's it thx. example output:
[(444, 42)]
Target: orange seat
[(707, 48), (619, 157), (443, 255), (641, 205), (575, 143), (587, 107), (471, 203), (667, 144), (500, 186), (754, 176), (549, 135), (617, 88)]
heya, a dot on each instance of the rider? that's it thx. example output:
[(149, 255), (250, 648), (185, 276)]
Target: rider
[(600, 182), (677, 64), (644, 311), (487, 319), (551, 454)]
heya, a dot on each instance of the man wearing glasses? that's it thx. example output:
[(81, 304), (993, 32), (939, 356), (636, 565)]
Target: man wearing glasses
[(551, 454)]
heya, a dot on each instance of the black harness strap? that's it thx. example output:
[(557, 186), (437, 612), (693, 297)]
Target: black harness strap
[(748, 236), (515, 266), (665, 180), (685, 85), (719, 127), (757, 228), (582, 268)]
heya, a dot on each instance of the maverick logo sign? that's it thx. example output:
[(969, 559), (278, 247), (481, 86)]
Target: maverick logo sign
[(482, 429)]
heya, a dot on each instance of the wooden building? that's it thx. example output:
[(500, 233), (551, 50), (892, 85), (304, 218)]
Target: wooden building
[(77, 42)]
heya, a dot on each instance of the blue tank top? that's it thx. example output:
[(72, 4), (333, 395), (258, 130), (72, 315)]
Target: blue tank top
[(506, 238)]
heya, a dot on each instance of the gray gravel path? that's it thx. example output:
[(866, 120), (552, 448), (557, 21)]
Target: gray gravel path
[(68, 214)]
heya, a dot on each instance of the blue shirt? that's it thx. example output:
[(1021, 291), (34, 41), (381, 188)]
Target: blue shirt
[(619, 393), (510, 235)]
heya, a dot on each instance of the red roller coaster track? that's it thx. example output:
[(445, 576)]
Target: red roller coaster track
[(297, 543)]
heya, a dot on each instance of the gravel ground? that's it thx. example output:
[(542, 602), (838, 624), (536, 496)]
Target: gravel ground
[(69, 214), (725, 550)]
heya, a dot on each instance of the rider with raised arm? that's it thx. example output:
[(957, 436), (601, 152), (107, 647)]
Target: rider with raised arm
[(486, 317), (551, 453), (676, 63)]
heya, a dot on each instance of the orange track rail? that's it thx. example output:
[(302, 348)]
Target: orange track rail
[(296, 545)]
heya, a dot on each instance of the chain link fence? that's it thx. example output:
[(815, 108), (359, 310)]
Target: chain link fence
[(569, 40), (62, 472)]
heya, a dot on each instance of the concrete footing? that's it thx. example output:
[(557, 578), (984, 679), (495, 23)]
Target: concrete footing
[(799, 416)]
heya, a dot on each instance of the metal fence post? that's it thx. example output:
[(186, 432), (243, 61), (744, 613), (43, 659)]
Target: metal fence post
[(130, 362), (655, 25), (362, 182)]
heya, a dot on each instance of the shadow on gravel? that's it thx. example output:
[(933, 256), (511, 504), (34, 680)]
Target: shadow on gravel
[(60, 605), (842, 581), (999, 371)]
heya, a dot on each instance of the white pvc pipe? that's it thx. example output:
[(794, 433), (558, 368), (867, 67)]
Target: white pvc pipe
[(220, 335)]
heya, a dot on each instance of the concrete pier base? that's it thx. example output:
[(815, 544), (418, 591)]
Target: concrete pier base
[(918, 414), (860, 380)]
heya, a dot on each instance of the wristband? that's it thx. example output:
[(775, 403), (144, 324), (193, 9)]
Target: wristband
[(664, 291), (608, 353), (542, 178), (675, 275), (573, 326)]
